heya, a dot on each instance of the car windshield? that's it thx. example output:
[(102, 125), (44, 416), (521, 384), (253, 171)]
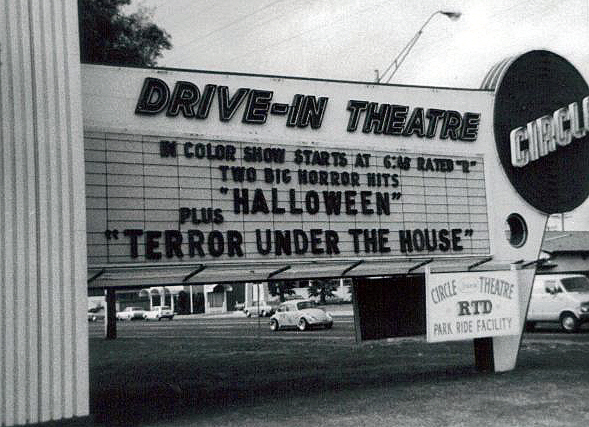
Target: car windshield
[(165, 307), (306, 304), (576, 284), (135, 309)]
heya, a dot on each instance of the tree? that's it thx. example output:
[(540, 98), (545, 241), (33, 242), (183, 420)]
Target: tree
[(322, 289), (108, 36), (281, 289)]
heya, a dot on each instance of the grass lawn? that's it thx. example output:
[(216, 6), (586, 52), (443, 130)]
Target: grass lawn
[(243, 381)]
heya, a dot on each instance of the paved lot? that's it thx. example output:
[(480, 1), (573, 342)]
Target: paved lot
[(258, 328), (228, 328), (235, 371)]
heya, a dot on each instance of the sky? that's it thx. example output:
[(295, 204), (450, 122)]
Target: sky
[(350, 39)]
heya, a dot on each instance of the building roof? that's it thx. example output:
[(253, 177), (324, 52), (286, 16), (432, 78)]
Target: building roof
[(566, 241), (130, 276)]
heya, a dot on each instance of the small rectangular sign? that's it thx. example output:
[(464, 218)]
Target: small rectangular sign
[(461, 306)]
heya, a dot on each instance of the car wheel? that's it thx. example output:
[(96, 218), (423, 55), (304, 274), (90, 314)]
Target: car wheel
[(273, 325), (569, 322), (303, 325), (93, 319), (263, 313), (159, 318), (248, 314)]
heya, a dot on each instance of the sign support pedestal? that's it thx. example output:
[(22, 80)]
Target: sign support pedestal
[(505, 349), (483, 354), (110, 319)]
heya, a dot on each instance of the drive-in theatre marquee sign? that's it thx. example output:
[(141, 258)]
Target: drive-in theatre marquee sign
[(200, 177), (236, 170), (279, 200), (266, 172)]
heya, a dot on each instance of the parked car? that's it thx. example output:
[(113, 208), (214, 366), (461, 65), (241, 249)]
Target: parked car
[(562, 298), (264, 309), (159, 313), (131, 313), (95, 314), (300, 314)]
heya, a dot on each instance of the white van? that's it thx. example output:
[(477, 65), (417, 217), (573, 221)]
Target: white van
[(562, 298)]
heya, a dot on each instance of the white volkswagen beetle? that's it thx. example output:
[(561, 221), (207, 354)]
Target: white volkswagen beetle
[(300, 314)]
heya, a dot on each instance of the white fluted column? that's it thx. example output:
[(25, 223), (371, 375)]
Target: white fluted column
[(43, 327)]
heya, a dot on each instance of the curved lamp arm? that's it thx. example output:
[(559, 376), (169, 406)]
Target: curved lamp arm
[(396, 63)]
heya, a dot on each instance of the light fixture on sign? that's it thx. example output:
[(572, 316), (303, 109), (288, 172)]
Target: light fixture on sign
[(516, 230), (452, 15)]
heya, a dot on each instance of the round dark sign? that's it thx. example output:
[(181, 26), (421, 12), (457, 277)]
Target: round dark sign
[(541, 124)]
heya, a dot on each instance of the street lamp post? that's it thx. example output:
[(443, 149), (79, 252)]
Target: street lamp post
[(396, 63)]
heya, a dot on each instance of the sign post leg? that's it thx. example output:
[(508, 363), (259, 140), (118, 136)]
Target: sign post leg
[(110, 320), (483, 354)]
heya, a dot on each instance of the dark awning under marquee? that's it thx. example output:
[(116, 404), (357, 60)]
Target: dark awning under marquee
[(140, 276)]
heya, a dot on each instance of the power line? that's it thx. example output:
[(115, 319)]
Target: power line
[(216, 30), (533, 10), (256, 24), (299, 34), (186, 16)]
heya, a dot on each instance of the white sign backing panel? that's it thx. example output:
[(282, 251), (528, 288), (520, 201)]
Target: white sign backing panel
[(387, 208), (463, 306), (188, 167)]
